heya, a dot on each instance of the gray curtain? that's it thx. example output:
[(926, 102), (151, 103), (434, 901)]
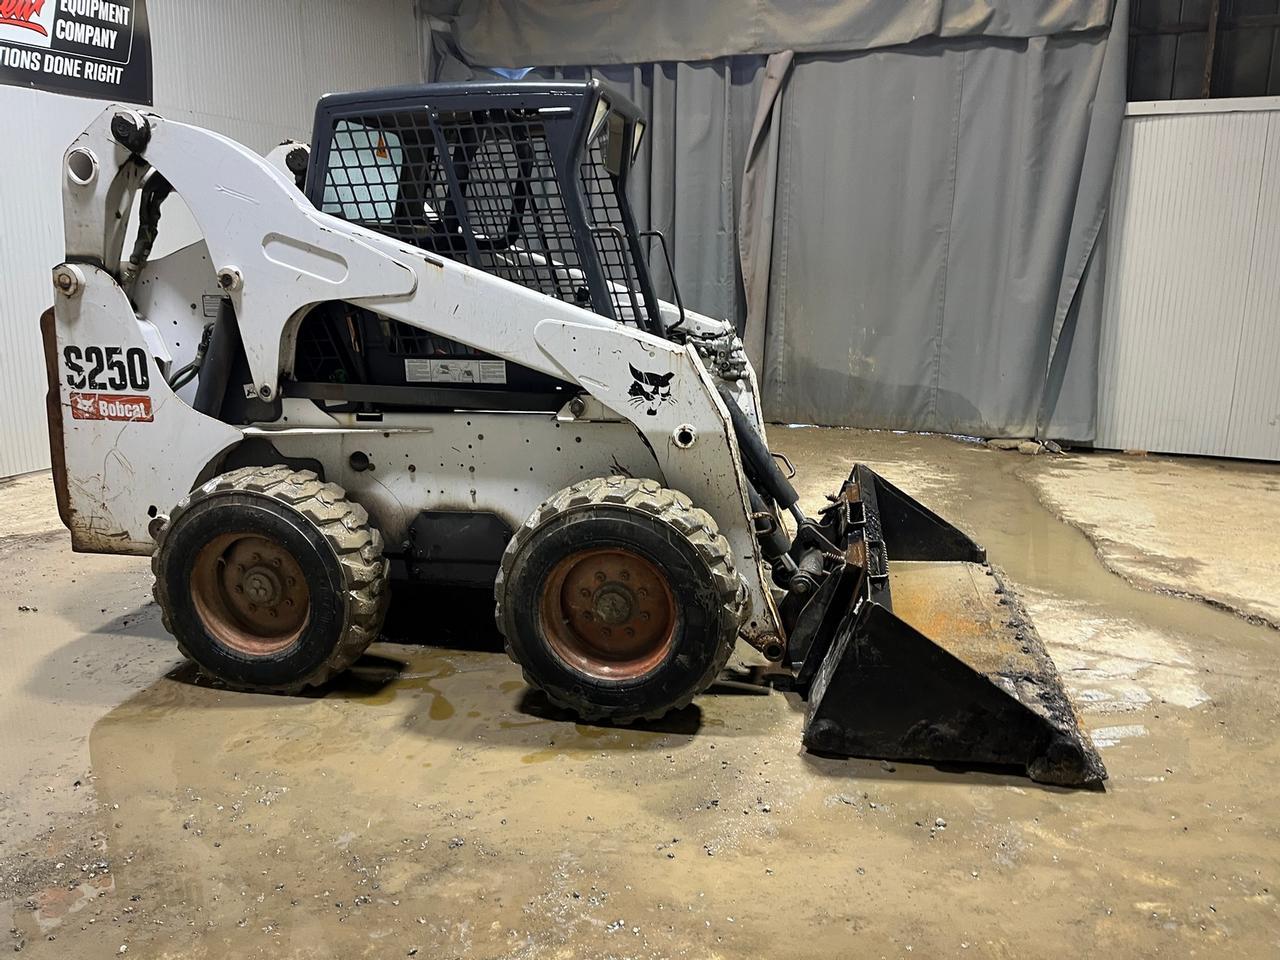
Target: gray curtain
[(905, 234), (688, 177), (515, 33), (937, 207)]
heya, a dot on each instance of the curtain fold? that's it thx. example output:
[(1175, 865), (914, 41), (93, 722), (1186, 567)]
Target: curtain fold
[(758, 205), (688, 177), (515, 33), (937, 206), (1068, 407)]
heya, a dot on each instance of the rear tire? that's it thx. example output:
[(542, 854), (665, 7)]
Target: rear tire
[(619, 599), (270, 579)]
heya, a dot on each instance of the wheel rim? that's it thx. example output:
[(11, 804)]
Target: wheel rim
[(609, 613), (250, 593)]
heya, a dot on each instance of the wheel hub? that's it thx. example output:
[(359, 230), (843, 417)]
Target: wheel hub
[(250, 593), (262, 586), (609, 612), (613, 604)]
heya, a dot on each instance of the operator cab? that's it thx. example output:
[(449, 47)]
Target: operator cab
[(526, 181), (522, 181)]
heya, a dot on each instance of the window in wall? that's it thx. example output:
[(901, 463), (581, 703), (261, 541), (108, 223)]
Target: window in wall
[(1189, 49)]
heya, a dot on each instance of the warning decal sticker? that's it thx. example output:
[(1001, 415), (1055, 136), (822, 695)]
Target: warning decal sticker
[(449, 370)]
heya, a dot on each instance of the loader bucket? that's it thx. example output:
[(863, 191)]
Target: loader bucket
[(932, 659)]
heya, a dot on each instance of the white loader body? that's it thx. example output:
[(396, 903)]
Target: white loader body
[(132, 448)]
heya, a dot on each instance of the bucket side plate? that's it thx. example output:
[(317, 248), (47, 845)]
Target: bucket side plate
[(954, 673), (933, 658)]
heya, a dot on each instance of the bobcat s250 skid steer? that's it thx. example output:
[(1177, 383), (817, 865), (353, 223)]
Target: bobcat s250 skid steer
[(428, 348)]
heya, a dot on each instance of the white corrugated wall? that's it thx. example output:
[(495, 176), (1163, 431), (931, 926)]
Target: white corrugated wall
[(251, 69), (1191, 319)]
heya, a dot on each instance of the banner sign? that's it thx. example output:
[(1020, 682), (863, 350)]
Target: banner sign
[(86, 48)]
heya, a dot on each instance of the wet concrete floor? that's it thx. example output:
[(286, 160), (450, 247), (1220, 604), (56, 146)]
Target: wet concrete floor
[(428, 805)]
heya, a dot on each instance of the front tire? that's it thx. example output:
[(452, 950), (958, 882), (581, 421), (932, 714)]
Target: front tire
[(619, 599), (270, 579)]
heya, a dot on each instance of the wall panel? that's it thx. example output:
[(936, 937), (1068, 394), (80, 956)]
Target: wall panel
[(1191, 335)]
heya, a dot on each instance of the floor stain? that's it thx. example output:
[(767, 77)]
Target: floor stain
[(428, 805)]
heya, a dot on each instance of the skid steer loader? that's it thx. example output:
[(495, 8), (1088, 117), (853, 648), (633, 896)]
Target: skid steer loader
[(428, 348)]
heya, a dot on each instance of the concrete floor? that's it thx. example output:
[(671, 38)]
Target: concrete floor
[(428, 803)]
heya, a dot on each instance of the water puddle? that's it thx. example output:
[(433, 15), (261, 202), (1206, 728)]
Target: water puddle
[(422, 680), (588, 740), (1121, 650), (1044, 553)]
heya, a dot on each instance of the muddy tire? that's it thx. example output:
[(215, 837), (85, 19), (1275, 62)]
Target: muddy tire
[(619, 600), (270, 579)]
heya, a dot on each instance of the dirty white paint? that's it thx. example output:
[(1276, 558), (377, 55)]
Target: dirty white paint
[(116, 485), (253, 74)]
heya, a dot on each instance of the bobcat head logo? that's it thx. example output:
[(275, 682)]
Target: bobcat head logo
[(649, 390)]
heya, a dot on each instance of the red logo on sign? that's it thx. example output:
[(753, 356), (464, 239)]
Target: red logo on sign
[(110, 406), (19, 13)]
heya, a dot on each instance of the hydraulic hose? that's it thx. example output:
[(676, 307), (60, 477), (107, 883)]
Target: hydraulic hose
[(188, 372), (154, 191), (760, 466)]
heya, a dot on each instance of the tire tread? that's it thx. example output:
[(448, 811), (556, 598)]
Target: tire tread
[(670, 507), (344, 526)]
